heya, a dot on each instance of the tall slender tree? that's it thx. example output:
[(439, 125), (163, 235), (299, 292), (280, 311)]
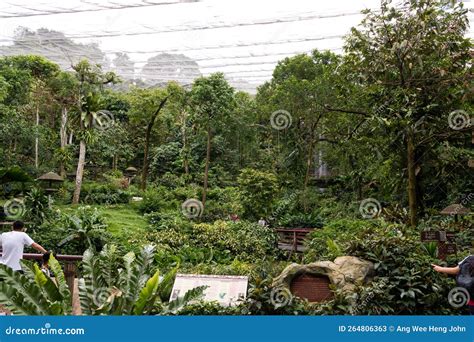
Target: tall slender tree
[(91, 82), (212, 101)]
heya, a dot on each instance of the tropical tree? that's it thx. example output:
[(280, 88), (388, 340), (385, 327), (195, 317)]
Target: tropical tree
[(212, 102), (301, 88), (27, 77), (146, 105), (64, 87), (415, 59), (91, 82)]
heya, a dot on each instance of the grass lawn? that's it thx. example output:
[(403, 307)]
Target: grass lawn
[(122, 219)]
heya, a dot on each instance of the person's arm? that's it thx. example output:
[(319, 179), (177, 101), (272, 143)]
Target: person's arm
[(39, 248), (446, 270), (29, 242)]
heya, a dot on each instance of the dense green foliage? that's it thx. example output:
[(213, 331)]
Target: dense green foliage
[(386, 120)]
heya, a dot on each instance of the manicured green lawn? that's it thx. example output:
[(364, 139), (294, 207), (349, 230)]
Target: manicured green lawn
[(122, 219)]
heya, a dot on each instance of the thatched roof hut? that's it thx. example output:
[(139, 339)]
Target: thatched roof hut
[(455, 209), (50, 178), (130, 171)]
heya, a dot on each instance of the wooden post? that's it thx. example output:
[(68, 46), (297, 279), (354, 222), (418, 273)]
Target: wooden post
[(70, 271), (295, 243)]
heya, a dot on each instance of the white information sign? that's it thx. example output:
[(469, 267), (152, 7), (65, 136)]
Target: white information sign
[(226, 290)]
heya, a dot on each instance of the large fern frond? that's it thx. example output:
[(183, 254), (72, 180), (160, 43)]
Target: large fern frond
[(90, 283), (21, 295), (60, 279)]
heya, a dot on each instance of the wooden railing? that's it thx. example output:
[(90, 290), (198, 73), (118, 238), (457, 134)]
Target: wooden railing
[(70, 265), (292, 239)]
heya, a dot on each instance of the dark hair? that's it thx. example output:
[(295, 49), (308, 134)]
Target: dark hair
[(18, 225), (46, 257)]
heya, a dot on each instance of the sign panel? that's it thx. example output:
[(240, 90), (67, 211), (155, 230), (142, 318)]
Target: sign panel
[(226, 290), (451, 248), (429, 235), (434, 235)]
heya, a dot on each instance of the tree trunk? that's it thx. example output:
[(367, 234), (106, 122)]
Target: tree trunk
[(309, 163), (63, 137), (411, 167), (147, 143), (145, 160), (80, 171), (37, 137), (62, 132), (185, 147), (206, 169)]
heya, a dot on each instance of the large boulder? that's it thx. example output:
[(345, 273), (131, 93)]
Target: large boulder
[(344, 273)]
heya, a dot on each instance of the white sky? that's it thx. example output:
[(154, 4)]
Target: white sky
[(301, 20)]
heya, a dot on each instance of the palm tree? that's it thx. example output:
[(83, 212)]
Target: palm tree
[(91, 81)]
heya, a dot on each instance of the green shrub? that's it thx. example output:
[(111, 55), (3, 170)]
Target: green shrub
[(319, 241), (73, 233), (258, 192), (171, 180), (211, 309), (221, 203), (37, 206), (404, 282), (93, 193), (161, 198), (163, 220), (223, 240), (399, 257), (300, 220)]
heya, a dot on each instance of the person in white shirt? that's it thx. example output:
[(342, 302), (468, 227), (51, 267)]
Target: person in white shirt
[(12, 244)]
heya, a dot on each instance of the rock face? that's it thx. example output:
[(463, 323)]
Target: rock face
[(345, 272)]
